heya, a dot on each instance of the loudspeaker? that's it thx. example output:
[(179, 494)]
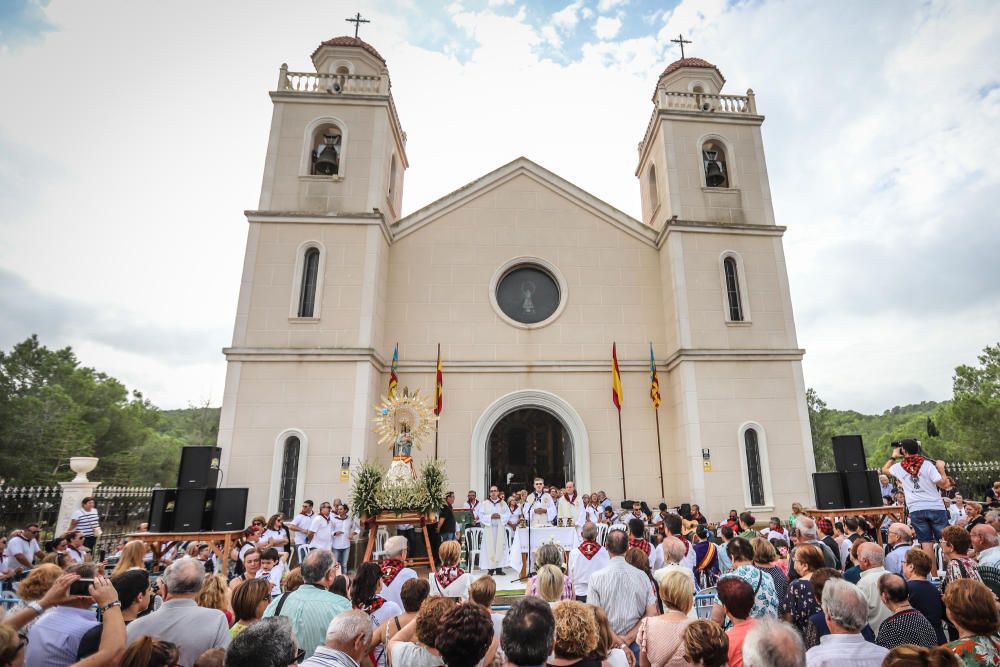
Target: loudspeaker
[(849, 453), (861, 489), (225, 509), (161, 510), (829, 487), (199, 467), (189, 511)]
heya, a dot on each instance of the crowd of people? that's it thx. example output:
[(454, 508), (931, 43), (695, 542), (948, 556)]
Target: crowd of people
[(667, 589)]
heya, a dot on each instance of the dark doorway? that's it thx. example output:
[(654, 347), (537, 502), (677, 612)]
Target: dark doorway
[(529, 443)]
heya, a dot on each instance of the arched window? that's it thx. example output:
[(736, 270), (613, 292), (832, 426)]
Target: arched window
[(714, 158), (654, 194), (289, 476), (733, 289), (755, 473), (310, 275), (392, 177), (326, 146)]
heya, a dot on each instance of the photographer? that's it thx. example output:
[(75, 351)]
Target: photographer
[(922, 480)]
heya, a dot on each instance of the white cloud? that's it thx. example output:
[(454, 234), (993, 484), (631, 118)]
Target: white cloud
[(606, 27), (877, 156), (604, 6)]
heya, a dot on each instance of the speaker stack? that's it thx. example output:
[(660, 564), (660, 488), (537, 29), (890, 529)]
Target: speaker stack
[(196, 504), (852, 486)]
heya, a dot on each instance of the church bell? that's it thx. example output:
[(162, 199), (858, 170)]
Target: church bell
[(327, 156), (715, 170)]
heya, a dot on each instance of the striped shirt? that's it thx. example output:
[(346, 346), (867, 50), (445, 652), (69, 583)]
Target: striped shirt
[(86, 521), (329, 657), (623, 592)]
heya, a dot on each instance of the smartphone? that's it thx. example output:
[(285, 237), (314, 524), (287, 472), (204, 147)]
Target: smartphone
[(80, 587)]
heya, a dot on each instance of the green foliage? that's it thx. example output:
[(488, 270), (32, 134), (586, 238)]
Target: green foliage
[(370, 494), (967, 428), (52, 408), (364, 490)]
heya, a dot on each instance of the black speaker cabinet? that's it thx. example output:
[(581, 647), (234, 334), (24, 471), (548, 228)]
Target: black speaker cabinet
[(849, 453), (161, 510), (226, 509), (199, 468), (861, 489), (189, 511), (829, 487)]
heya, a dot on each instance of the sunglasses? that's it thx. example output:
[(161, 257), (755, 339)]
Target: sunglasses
[(300, 655)]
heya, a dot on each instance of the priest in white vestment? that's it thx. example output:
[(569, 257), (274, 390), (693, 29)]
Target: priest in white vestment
[(493, 515), (538, 509), (569, 508)]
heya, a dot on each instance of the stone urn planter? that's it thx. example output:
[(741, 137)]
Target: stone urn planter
[(81, 465)]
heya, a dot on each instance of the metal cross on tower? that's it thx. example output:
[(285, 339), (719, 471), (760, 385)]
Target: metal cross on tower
[(680, 40), (357, 21)]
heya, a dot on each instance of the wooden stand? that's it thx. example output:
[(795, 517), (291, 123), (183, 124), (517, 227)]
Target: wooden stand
[(896, 512), (157, 540), (392, 519)]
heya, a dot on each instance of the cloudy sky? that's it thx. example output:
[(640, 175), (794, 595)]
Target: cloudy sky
[(132, 138)]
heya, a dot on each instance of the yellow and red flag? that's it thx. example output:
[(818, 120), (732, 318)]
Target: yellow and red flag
[(393, 378), (616, 378), (654, 382), (439, 386)]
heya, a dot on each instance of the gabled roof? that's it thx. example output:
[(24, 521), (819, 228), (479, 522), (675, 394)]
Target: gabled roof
[(347, 40), (522, 166)]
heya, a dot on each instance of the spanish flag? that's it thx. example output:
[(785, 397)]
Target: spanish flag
[(654, 382), (439, 386), (616, 378), (393, 378)]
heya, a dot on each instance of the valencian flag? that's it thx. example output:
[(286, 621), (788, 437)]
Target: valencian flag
[(393, 378), (439, 386), (616, 378), (654, 382)]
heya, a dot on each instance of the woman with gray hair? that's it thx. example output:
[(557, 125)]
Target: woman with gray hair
[(551, 554)]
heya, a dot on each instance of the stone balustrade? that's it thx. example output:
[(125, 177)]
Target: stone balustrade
[(334, 84), (709, 103)]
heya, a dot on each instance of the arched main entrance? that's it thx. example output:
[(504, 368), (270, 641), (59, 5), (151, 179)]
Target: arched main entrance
[(536, 427), (528, 443)]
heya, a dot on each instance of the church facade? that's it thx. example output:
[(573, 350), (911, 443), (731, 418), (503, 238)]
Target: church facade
[(525, 281)]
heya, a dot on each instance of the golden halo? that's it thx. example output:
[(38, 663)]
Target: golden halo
[(404, 407)]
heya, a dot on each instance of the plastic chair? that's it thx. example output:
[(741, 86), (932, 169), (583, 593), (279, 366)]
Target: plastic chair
[(602, 532), (381, 535), (703, 602), (991, 577), (474, 546), (618, 526), (303, 550)]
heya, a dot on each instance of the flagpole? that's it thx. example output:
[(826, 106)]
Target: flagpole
[(437, 400), (621, 450), (659, 451)]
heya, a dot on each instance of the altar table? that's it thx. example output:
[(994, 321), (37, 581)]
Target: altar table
[(567, 537)]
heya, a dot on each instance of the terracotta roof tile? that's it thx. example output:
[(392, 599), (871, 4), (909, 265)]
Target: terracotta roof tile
[(347, 40), (690, 62)]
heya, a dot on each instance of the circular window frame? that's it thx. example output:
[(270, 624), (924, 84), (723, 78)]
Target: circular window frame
[(538, 263)]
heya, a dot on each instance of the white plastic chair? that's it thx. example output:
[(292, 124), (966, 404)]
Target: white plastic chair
[(474, 546), (618, 526), (602, 532), (704, 601), (381, 535), (303, 550)]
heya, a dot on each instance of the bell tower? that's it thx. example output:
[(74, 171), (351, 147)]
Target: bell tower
[(336, 144), (736, 365)]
